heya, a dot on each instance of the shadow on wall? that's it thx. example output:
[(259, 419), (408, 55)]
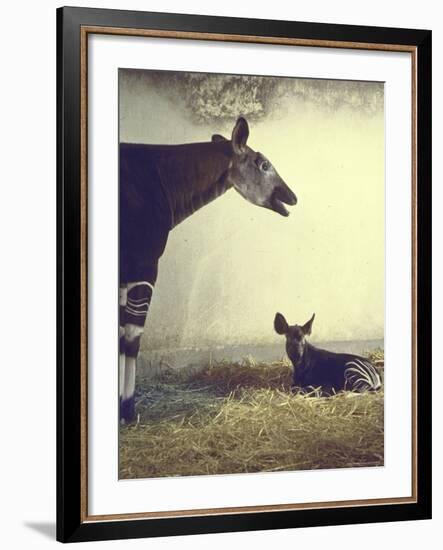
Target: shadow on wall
[(47, 529)]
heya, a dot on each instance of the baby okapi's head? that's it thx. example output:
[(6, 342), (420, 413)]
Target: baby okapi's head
[(295, 336), (253, 175)]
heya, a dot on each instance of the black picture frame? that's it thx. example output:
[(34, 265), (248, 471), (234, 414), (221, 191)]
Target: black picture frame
[(72, 525)]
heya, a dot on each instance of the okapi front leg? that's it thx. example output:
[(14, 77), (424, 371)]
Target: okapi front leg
[(122, 298), (137, 305)]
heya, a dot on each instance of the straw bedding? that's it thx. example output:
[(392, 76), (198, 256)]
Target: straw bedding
[(242, 417)]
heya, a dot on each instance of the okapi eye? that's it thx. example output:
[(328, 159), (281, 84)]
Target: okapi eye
[(265, 166)]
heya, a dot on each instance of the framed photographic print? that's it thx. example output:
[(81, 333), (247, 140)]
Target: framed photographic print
[(244, 274)]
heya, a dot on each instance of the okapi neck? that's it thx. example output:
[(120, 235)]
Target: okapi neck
[(193, 175), (304, 360)]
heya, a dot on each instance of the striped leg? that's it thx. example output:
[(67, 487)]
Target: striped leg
[(361, 375), (138, 298), (122, 297)]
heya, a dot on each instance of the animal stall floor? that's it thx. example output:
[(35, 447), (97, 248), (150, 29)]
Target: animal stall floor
[(239, 418)]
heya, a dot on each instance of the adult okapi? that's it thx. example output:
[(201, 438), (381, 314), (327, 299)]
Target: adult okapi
[(160, 186), (315, 367)]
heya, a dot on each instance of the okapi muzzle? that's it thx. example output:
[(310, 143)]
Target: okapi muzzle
[(318, 368)]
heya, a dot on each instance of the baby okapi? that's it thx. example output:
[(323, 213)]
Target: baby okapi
[(314, 367)]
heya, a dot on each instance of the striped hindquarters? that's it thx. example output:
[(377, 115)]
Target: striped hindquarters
[(361, 375)]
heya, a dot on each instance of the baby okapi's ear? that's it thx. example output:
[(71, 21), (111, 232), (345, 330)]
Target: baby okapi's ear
[(307, 327), (240, 135), (216, 138), (280, 324)]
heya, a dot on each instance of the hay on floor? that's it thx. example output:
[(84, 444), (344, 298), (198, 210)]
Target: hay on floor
[(234, 418)]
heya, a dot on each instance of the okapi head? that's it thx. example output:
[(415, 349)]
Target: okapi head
[(252, 174), (295, 336)]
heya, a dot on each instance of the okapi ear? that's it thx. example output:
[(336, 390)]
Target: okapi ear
[(307, 327), (240, 135), (280, 324), (216, 138)]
